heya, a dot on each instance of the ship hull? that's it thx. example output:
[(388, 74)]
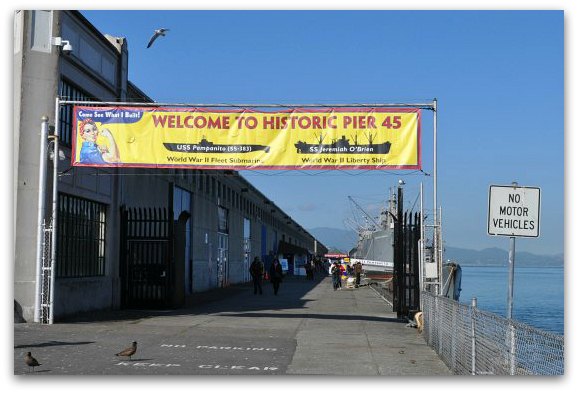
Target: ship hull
[(375, 252)]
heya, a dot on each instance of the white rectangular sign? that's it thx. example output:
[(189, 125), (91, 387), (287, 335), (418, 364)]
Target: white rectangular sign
[(514, 211)]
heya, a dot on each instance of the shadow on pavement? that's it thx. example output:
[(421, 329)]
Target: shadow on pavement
[(234, 298), (318, 316), (53, 344)]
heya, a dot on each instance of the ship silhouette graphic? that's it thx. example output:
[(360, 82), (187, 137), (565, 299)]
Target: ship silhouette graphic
[(206, 146), (342, 146)]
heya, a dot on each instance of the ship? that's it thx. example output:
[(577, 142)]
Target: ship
[(374, 248), (342, 146), (206, 146), (375, 251)]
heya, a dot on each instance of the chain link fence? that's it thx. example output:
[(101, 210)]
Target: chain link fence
[(46, 273), (476, 342)]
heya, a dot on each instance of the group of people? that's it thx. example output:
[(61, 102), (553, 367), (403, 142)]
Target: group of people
[(257, 270), (336, 270)]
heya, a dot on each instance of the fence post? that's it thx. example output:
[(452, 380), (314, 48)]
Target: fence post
[(512, 348), (428, 309), (473, 324), (454, 336), (434, 324), (440, 322)]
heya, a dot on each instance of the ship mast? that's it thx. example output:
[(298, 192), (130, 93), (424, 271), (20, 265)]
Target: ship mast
[(364, 212), (389, 213)]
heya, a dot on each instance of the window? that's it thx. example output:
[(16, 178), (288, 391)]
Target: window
[(181, 201), (223, 220), (69, 92), (247, 235), (81, 237)]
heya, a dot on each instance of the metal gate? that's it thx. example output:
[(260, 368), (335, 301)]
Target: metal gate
[(146, 255), (406, 261)]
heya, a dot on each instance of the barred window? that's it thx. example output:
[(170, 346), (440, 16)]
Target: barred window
[(81, 237), (67, 91)]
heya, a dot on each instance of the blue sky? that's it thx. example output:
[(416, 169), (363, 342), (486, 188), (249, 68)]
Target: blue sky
[(498, 77)]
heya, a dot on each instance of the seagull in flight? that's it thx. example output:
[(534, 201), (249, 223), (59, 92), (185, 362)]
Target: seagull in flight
[(158, 32)]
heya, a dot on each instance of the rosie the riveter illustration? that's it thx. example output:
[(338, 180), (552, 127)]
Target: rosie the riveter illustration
[(90, 152)]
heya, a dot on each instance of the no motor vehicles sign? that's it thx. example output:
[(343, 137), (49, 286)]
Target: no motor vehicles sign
[(514, 211)]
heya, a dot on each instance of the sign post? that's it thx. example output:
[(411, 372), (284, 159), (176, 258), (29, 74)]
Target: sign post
[(513, 211), (511, 257)]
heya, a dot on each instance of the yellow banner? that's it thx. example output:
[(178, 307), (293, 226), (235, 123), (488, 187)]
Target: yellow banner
[(328, 138)]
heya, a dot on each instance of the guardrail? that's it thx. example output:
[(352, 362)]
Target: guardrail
[(476, 342)]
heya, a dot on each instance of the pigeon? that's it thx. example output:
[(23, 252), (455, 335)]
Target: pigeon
[(158, 32), (30, 361), (128, 351)]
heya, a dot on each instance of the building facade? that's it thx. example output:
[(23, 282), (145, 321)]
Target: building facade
[(124, 237)]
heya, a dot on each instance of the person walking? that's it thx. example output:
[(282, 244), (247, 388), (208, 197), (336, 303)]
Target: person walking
[(257, 269), (276, 275), (309, 270), (335, 272), (357, 269), (342, 274)]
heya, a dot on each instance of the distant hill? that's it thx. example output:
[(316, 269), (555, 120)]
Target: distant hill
[(498, 257), (335, 239), (343, 240)]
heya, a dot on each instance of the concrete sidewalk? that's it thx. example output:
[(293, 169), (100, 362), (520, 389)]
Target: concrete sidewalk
[(307, 329), (355, 332)]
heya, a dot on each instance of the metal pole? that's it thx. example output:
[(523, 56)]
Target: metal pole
[(473, 332), (435, 190), (223, 105), (440, 255), (512, 349), (399, 255), (54, 208), (41, 204), (421, 246), (454, 336), (511, 256)]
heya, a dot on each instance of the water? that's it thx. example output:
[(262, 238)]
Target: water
[(538, 294)]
